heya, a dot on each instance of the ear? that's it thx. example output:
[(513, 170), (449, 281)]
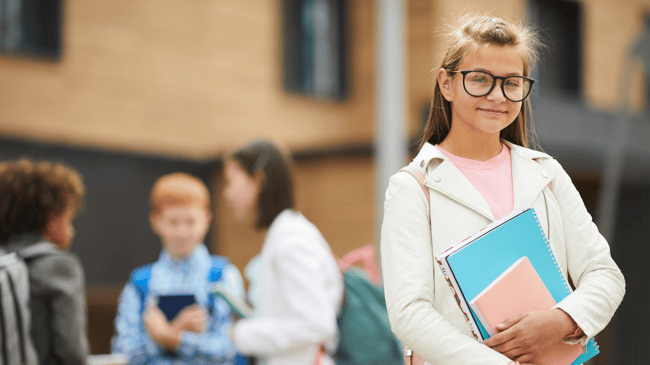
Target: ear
[(153, 220), (445, 84), (208, 216)]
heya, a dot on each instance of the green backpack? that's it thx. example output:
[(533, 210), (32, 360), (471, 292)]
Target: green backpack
[(365, 334)]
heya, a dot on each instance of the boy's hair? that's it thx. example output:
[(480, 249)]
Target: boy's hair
[(35, 192), (470, 32), (179, 188), (277, 193)]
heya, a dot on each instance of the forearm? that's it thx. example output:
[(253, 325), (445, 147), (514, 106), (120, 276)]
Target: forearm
[(565, 324), (600, 285), (432, 336), (268, 336), (599, 282), (130, 336), (592, 306), (168, 338)]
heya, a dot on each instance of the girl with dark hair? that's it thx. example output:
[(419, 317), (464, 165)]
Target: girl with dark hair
[(477, 168), (300, 285)]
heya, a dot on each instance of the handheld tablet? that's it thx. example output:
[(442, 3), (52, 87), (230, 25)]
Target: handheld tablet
[(172, 304)]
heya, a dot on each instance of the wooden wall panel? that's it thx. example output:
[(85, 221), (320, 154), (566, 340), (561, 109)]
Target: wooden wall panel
[(181, 78), (337, 194)]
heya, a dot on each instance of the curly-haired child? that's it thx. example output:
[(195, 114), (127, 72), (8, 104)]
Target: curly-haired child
[(39, 202)]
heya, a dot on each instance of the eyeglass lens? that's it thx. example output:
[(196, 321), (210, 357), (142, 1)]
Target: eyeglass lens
[(478, 83)]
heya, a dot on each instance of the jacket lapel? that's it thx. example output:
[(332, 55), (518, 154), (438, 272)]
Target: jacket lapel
[(529, 177), (450, 181)]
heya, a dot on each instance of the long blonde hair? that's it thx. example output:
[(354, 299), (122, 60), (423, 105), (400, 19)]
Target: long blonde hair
[(471, 32)]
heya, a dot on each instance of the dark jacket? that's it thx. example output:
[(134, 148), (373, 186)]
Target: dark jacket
[(57, 302)]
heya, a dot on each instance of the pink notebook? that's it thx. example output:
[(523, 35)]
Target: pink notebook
[(519, 289)]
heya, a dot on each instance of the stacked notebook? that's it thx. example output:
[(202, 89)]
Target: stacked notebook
[(505, 269), (237, 306)]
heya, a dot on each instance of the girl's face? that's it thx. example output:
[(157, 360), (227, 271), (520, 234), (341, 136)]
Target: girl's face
[(241, 190), (489, 114)]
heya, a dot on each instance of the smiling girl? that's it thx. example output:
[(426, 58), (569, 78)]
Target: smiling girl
[(477, 167)]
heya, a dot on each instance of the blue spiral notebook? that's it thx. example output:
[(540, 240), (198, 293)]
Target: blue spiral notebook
[(471, 265)]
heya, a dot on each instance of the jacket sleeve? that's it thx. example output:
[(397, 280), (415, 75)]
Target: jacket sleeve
[(130, 336), (63, 277), (599, 282), (213, 345), (311, 315), (408, 269)]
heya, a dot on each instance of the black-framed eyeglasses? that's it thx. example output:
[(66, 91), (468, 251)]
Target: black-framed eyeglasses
[(481, 83)]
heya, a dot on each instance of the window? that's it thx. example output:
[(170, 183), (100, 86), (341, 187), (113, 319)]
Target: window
[(31, 27), (314, 48), (560, 23)]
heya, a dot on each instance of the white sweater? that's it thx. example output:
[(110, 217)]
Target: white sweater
[(300, 296)]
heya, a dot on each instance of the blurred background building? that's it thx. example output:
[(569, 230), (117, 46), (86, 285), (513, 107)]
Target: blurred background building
[(128, 90)]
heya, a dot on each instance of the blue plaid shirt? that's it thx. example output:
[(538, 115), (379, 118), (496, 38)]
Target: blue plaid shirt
[(187, 276)]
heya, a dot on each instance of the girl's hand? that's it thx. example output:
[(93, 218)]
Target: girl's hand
[(526, 336)]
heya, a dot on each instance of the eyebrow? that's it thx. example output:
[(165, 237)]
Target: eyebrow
[(490, 72)]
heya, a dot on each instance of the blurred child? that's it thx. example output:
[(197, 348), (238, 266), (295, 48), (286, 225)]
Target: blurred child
[(39, 201), (299, 285), (180, 216)]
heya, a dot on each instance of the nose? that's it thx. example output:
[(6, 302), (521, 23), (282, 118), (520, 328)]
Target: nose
[(497, 92)]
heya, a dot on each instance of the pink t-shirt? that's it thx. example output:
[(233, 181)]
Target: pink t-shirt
[(492, 179)]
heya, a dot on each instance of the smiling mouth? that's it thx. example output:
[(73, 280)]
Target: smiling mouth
[(493, 111)]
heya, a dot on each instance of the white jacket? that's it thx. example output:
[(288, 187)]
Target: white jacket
[(301, 289), (422, 311)]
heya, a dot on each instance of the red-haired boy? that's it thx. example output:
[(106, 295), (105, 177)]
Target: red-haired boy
[(197, 334)]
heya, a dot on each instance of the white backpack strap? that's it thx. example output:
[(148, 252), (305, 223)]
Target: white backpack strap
[(410, 357), (8, 259), (37, 249), (419, 176)]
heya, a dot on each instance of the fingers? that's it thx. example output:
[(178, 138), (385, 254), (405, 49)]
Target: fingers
[(195, 309), (510, 322), (510, 349), (193, 318), (499, 339)]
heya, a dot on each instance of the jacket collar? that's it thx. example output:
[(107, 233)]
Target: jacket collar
[(529, 177), (198, 255)]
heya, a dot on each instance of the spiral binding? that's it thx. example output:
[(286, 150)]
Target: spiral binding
[(550, 251), (564, 281)]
